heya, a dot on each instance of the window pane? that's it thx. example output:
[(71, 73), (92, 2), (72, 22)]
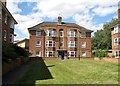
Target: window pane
[(37, 33)]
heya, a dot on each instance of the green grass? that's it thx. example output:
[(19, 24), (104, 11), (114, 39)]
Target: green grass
[(71, 72)]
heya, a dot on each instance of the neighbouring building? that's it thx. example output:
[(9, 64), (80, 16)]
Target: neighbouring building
[(116, 36), (8, 23), (23, 44), (55, 39)]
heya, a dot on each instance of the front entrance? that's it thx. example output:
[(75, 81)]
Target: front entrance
[(61, 54)]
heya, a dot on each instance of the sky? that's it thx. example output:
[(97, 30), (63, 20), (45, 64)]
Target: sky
[(91, 14)]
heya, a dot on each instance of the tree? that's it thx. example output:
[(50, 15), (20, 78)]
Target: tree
[(102, 38)]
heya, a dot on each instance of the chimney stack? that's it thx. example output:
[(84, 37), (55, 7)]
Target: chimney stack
[(59, 20)]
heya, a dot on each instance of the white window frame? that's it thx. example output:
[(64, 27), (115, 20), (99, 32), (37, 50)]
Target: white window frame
[(71, 34), (12, 24), (6, 18), (117, 53), (48, 33), (47, 43), (38, 45), (53, 32), (116, 41), (38, 33), (52, 53), (61, 32), (83, 44), (39, 54), (83, 34), (70, 44), (5, 35), (70, 53), (116, 29), (85, 54), (62, 44), (11, 38)]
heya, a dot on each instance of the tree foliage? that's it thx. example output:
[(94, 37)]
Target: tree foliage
[(102, 38)]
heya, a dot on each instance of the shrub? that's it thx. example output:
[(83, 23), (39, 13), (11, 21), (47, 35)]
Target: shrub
[(100, 53), (113, 56)]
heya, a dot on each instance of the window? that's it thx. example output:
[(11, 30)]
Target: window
[(117, 41), (71, 44), (5, 35), (71, 34), (117, 54), (48, 33), (61, 44), (83, 54), (6, 18), (83, 44), (53, 32), (50, 54), (71, 54), (50, 43), (38, 54), (37, 33), (116, 29), (83, 34), (12, 24), (11, 38), (61, 33), (37, 43)]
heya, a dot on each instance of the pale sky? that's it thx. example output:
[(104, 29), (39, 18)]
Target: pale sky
[(91, 14)]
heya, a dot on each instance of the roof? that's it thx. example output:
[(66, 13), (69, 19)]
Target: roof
[(7, 11), (36, 27), (22, 41)]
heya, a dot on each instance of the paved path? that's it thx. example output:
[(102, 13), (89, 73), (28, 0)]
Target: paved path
[(16, 74)]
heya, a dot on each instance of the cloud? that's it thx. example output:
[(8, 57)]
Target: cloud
[(81, 11)]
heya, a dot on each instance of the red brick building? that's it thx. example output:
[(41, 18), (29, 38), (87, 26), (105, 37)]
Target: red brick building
[(116, 36), (8, 23), (55, 39)]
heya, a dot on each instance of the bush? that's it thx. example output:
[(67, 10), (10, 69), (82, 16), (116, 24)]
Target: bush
[(100, 53), (12, 52), (113, 56)]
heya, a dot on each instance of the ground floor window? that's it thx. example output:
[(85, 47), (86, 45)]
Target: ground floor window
[(117, 54), (71, 54), (38, 53), (83, 54), (50, 54)]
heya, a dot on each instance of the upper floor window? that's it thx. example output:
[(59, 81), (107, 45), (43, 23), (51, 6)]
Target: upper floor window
[(61, 33), (71, 33), (5, 35), (38, 43), (37, 33), (83, 34), (50, 43), (6, 18), (50, 54), (116, 29), (11, 38), (53, 32), (71, 44), (71, 54), (12, 24), (38, 53), (61, 44), (83, 44), (117, 41)]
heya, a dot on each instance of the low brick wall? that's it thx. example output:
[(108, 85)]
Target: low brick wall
[(7, 67), (108, 59)]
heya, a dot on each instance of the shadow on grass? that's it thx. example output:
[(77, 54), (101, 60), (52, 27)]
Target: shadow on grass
[(38, 71)]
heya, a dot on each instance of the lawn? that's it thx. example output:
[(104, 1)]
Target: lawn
[(71, 72)]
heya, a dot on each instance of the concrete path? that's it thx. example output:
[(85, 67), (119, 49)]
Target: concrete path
[(16, 74)]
